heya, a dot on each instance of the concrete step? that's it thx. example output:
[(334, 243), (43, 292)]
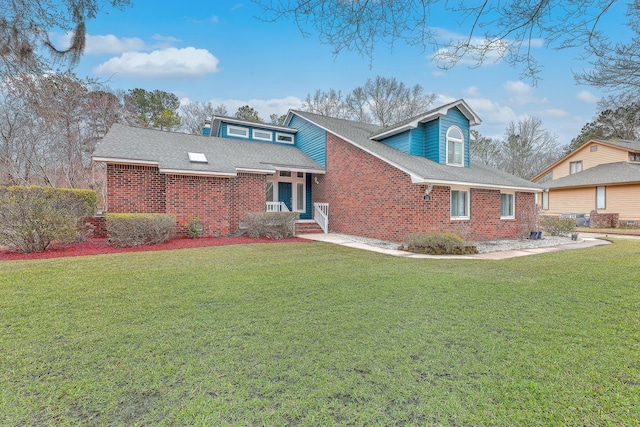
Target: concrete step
[(308, 228)]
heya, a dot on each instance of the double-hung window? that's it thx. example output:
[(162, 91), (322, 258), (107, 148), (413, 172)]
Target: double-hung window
[(600, 198), (575, 167), (459, 204), (507, 206)]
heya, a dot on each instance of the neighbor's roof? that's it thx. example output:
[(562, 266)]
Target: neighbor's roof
[(632, 146), (605, 174), (421, 169), (225, 157)]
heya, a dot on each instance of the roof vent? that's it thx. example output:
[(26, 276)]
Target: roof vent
[(197, 158)]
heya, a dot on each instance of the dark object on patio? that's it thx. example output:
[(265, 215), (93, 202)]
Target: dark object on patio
[(535, 235)]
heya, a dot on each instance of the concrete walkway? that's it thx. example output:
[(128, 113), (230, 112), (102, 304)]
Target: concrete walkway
[(583, 242)]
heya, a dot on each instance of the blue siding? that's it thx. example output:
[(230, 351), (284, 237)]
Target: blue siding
[(225, 134), (431, 141), (401, 142), (310, 139), (417, 141), (454, 118)]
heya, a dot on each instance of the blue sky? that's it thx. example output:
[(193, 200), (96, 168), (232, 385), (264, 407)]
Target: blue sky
[(220, 51)]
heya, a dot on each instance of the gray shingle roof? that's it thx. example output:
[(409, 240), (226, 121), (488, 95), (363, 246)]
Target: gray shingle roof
[(421, 169), (622, 143), (225, 156), (605, 174)]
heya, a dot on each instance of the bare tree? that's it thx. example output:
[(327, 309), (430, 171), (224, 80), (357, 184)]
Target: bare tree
[(194, 115), (24, 32), (383, 101), (484, 150), (527, 148), (488, 31)]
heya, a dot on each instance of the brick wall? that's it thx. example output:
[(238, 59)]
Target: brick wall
[(220, 203), (368, 197), (133, 188), (601, 220)]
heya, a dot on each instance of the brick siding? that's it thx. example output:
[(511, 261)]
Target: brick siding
[(220, 203), (368, 197), (602, 220)]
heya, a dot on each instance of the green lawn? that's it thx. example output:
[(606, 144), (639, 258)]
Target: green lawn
[(314, 334)]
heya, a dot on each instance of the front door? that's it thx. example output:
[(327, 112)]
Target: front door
[(284, 193)]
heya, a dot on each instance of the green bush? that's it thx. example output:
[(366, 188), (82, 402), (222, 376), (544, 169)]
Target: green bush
[(194, 227), (31, 218), (135, 229), (275, 225), (438, 244), (557, 226)]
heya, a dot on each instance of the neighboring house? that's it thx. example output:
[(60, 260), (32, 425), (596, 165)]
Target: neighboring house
[(358, 178), (600, 175)]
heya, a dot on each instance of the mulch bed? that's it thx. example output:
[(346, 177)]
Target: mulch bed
[(97, 246)]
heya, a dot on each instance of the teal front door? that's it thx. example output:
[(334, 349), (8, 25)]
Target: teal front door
[(284, 193)]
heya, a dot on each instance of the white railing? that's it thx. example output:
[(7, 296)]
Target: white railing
[(321, 215), (277, 207)]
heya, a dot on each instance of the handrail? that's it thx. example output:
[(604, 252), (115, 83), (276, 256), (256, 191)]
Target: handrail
[(321, 215), (277, 207)]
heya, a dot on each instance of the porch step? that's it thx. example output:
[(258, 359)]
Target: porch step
[(308, 228)]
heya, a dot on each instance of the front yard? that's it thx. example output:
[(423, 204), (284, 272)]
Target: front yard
[(315, 334)]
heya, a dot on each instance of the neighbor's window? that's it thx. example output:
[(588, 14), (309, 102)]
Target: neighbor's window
[(455, 146), (238, 131), (459, 204), (507, 206), (269, 191), (600, 197), (262, 135), (634, 157), (575, 167), (593, 148)]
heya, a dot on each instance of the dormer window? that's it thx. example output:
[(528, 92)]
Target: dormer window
[(634, 157), (238, 131), (455, 146), (284, 137)]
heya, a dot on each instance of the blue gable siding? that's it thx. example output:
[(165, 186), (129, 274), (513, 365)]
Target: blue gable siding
[(431, 142), (310, 139), (401, 142), (224, 134), (453, 118)]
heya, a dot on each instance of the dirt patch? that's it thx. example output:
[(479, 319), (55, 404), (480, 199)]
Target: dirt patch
[(102, 246)]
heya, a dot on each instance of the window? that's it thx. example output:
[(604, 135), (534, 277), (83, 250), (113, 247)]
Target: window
[(545, 201), (262, 135), (507, 206), (300, 196), (283, 137), (459, 204), (285, 173), (455, 146), (634, 157), (600, 197), (575, 167), (269, 191), (593, 148), (238, 131)]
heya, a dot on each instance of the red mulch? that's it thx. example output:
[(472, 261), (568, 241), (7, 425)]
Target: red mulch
[(101, 246)]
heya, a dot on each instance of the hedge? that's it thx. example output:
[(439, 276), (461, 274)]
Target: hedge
[(135, 229), (275, 225), (438, 244)]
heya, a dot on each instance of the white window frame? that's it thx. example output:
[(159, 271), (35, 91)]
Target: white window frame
[(575, 167), (454, 140), (244, 130), (288, 135), (294, 179), (262, 138), (467, 204), (545, 201), (512, 203), (601, 197)]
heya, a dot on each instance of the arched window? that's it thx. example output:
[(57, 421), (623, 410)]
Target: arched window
[(455, 146)]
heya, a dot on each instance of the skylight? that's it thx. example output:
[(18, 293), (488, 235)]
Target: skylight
[(197, 158)]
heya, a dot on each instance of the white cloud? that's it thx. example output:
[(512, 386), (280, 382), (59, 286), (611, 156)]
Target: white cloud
[(214, 19), (521, 93), (165, 63), (492, 113), (472, 91), (97, 45), (554, 112), (164, 42), (586, 96)]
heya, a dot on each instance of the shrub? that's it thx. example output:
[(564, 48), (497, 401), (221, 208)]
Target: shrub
[(31, 218), (275, 225), (194, 227), (438, 244), (557, 226), (135, 229)]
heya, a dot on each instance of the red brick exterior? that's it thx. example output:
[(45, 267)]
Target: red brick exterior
[(368, 197), (220, 203), (601, 220)]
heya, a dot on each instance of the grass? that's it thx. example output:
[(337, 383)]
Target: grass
[(314, 334)]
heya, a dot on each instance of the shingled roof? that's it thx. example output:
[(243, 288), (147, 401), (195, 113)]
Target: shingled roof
[(225, 157), (421, 169), (605, 174)]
